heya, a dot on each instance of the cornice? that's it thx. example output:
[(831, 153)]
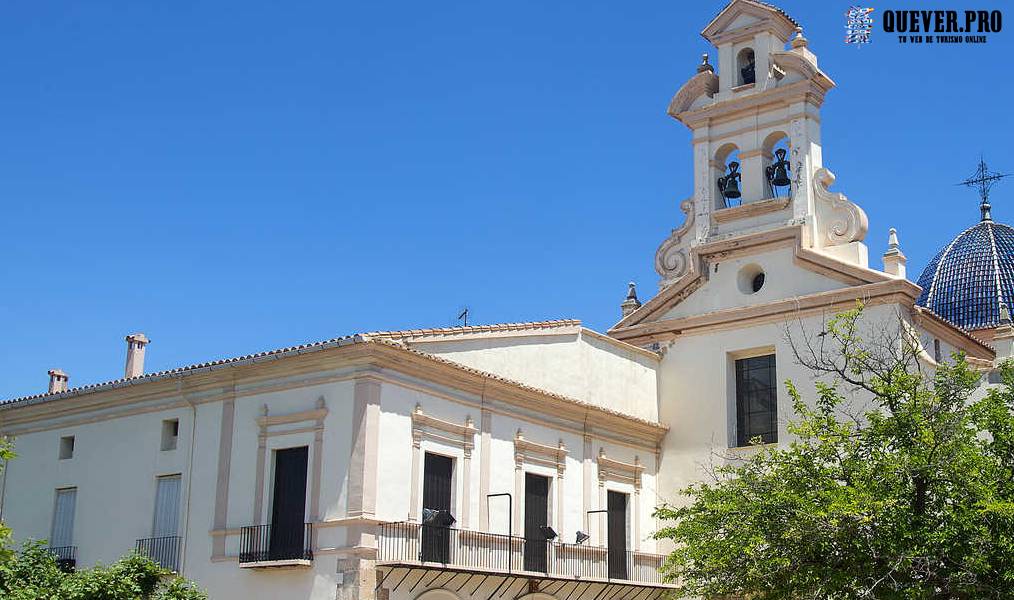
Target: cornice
[(890, 291), (958, 338), (752, 209), (702, 255), (367, 357), (806, 90)]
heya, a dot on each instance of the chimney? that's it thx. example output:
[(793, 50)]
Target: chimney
[(631, 303), (57, 381), (135, 355), (894, 260)]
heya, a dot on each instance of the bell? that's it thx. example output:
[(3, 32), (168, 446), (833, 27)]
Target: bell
[(729, 184), (748, 73), (778, 173)]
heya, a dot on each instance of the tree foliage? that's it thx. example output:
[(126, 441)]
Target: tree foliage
[(909, 496), (32, 573)]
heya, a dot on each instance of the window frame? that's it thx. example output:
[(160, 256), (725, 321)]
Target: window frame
[(68, 443), (741, 432)]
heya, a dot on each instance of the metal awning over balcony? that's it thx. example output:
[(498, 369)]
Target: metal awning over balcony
[(487, 566)]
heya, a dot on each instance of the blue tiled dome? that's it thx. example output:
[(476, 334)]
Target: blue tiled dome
[(966, 281)]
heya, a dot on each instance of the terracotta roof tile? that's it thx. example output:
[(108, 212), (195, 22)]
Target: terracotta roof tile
[(494, 328), (379, 337)]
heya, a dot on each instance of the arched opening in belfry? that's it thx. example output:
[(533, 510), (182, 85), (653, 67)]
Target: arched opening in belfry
[(729, 177), (746, 71), (777, 157)]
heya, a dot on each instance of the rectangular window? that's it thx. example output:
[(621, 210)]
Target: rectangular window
[(66, 447), (438, 472), (62, 535), (756, 400), (167, 506), (170, 433)]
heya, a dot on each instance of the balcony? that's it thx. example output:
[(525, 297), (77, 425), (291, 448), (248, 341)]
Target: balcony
[(277, 545), (66, 557), (163, 550), (509, 559)]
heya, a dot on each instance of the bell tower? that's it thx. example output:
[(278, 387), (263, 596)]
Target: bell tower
[(755, 122)]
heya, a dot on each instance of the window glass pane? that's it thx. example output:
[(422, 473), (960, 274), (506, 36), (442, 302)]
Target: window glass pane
[(756, 399)]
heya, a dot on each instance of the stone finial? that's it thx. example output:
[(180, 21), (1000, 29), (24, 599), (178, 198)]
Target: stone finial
[(1004, 314), (136, 343), (894, 258), (57, 381), (705, 65), (631, 303), (799, 41)]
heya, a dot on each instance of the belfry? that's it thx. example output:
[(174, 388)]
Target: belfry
[(756, 142)]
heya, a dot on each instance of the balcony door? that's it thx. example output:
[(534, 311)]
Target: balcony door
[(167, 507), (616, 530), (288, 508), (63, 519), (536, 517), (437, 478)]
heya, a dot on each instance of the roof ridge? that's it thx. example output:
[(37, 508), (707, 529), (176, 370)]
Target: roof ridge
[(489, 328), (379, 336), (335, 342)]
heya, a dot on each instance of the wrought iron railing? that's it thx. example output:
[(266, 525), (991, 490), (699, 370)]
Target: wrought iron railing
[(66, 557), (164, 550), (490, 552), (265, 543)]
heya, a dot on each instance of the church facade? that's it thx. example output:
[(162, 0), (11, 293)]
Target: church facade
[(510, 461)]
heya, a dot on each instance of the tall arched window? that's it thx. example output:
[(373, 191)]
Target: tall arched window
[(745, 66)]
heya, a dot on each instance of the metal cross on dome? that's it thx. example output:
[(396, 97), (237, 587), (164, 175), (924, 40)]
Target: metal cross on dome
[(983, 179)]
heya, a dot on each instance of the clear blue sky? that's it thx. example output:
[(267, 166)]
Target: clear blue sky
[(231, 177)]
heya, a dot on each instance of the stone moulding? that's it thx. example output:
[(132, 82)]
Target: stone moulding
[(839, 221), (610, 468), (703, 83), (753, 209), (534, 452), (672, 259), (424, 425)]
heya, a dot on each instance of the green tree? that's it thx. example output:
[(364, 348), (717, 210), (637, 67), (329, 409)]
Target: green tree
[(909, 495), (6, 454), (31, 573)]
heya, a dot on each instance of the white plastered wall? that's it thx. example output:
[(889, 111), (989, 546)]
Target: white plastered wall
[(576, 364)]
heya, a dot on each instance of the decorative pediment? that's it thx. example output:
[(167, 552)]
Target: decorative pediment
[(461, 435), (611, 469), (704, 83), (742, 18), (838, 221), (536, 453), (804, 65), (672, 259)]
